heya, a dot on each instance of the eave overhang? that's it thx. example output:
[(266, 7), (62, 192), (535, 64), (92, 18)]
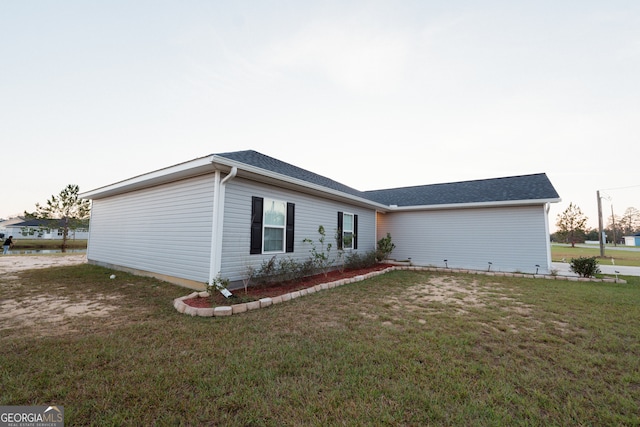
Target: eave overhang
[(199, 166), (210, 164)]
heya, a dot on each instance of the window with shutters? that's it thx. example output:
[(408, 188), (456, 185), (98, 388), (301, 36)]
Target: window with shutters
[(272, 226), (348, 230), (275, 213)]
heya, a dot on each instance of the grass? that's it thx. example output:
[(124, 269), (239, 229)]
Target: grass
[(405, 348), (620, 256)]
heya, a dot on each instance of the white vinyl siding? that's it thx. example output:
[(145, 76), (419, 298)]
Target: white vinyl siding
[(511, 238), (164, 229), (310, 212)]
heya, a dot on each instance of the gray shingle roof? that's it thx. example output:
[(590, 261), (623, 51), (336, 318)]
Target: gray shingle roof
[(259, 160), (40, 223), (524, 187)]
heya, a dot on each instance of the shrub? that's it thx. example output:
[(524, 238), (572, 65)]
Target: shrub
[(354, 260), (288, 269), (321, 257), (277, 270), (217, 284), (584, 266), (267, 271), (250, 274), (307, 268), (385, 247)]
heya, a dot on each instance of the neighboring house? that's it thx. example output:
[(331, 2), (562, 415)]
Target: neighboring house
[(42, 229), (220, 214), (633, 240), (4, 233)]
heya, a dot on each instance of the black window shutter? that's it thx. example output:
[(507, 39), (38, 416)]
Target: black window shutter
[(340, 217), (256, 225), (355, 232), (291, 210)]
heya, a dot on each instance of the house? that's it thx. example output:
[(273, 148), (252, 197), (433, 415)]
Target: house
[(220, 214), (43, 229), (633, 240), (4, 232)]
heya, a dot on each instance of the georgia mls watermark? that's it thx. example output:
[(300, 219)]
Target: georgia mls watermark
[(31, 416)]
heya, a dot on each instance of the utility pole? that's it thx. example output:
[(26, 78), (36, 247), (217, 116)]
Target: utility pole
[(601, 234), (613, 221)]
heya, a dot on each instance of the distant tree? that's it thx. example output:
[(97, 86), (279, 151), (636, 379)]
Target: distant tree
[(614, 229), (630, 221), (592, 234), (66, 211), (571, 223)]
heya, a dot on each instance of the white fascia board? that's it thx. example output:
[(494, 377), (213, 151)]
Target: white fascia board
[(505, 203), (183, 170), (266, 176)]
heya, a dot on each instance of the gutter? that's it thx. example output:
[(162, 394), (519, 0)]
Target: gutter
[(490, 204), (217, 221)]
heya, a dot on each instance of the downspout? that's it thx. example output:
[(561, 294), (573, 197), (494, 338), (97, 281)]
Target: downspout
[(547, 207), (215, 263)]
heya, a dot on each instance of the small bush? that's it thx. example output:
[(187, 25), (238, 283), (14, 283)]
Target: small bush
[(385, 247), (321, 257), (307, 268), (584, 266), (354, 260), (277, 270), (288, 269), (267, 271), (217, 284)]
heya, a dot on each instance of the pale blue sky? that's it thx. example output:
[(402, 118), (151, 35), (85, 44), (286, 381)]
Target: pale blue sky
[(373, 94)]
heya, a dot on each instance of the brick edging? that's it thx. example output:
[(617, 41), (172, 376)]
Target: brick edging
[(221, 311)]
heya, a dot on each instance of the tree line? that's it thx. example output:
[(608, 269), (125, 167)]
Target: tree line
[(572, 227)]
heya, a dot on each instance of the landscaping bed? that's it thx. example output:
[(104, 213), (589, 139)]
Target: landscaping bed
[(256, 292)]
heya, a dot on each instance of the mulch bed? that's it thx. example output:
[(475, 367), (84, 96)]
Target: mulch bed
[(256, 292)]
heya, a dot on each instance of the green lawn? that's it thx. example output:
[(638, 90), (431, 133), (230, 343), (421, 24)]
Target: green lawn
[(405, 348), (620, 256)]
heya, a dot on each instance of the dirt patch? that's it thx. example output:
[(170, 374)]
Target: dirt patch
[(46, 315), (15, 263), (52, 315), (444, 290), (463, 294)]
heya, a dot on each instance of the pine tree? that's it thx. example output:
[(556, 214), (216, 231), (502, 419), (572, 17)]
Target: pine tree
[(570, 222), (66, 211)]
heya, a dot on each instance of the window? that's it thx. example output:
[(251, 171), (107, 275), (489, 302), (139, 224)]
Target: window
[(27, 231), (348, 229), (272, 226), (275, 213)]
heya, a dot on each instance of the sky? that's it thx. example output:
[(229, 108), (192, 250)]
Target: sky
[(375, 94)]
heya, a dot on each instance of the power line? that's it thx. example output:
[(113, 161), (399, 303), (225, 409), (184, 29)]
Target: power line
[(620, 188)]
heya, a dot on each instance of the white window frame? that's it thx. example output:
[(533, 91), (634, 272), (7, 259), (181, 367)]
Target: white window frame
[(265, 226), (345, 230)]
